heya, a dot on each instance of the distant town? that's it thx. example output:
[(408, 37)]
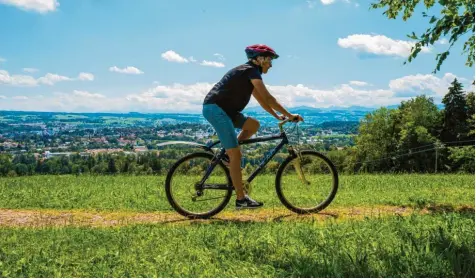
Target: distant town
[(48, 134)]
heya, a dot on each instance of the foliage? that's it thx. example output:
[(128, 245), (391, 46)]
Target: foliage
[(455, 125), (377, 138), (456, 20), (463, 158)]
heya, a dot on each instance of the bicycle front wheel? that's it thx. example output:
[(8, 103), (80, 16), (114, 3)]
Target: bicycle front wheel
[(307, 183), (185, 193)]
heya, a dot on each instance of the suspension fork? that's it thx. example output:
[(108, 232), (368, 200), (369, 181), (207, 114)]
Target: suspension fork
[(297, 164)]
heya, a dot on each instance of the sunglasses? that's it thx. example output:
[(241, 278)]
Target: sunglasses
[(269, 60)]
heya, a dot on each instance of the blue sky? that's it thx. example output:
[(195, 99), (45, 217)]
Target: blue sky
[(164, 56)]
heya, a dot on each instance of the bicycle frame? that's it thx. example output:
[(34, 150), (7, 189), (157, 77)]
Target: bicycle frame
[(263, 163)]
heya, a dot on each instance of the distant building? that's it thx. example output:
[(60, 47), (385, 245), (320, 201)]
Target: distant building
[(103, 150), (49, 154), (123, 142), (139, 148)]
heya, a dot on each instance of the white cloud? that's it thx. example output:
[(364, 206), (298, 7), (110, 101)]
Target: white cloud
[(428, 84), (86, 94), (48, 79), (86, 76), (40, 6), (329, 2), (442, 41), (20, 98), (2, 59), (342, 95), (219, 56), (51, 79), (212, 64), (127, 70), (189, 97), (378, 44), (3, 97), (16, 80), (30, 70), (172, 56), (358, 83), (175, 97)]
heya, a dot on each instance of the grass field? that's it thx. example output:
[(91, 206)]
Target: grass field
[(434, 238)]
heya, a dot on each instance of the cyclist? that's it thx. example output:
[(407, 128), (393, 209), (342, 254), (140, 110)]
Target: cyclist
[(223, 105)]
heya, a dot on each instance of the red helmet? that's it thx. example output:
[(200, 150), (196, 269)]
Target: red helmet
[(260, 50)]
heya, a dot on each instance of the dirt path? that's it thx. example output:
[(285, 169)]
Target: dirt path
[(57, 218)]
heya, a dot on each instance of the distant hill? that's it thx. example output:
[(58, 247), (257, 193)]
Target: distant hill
[(307, 109), (346, 127), (256, 109)]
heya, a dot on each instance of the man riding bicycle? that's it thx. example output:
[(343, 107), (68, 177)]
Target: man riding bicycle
[(223, 105)]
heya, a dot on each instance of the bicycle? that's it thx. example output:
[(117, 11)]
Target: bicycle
[(301, 167)]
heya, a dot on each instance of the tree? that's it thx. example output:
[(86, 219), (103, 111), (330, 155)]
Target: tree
[(457, 19), (470, 112), (111, 167), (462, 158), (418, 123), (455, 114), (5, 164), (470, 103), (21, 169), (377, 137)]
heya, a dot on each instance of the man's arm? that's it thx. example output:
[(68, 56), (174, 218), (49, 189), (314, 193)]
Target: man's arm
[(266, 98), (264, 105)]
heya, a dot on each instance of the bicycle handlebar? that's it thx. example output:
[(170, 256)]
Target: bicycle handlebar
[(280, 124)]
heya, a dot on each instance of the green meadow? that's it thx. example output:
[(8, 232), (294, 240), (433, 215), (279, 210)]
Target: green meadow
[(435, 239)]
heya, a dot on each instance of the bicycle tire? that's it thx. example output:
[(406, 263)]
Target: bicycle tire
[(318, 207), (176, 206)]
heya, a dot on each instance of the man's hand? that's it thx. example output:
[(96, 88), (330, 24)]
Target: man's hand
[(296, 118)]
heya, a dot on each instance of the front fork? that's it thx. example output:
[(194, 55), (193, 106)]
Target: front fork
[(297, 164)]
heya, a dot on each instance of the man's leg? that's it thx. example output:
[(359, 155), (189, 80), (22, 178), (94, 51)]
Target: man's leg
[(226, 133), (250, 127), (235, 171)]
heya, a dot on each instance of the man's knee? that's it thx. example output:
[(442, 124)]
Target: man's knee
[(251, 124)]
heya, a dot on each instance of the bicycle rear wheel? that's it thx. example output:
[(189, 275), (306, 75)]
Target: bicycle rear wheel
[(182, 186), (307, 184)]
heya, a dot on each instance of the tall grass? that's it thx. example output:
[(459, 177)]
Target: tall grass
[(432, 245), (146, 193), (439, 245)]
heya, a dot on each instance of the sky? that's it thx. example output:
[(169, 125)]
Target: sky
[(164, 56)]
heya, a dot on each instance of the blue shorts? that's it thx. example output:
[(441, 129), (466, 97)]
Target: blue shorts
[(223, 124)]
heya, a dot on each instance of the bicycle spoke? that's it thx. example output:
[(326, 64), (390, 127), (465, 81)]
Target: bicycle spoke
[(209, 199), (307, 183), (185, 193)]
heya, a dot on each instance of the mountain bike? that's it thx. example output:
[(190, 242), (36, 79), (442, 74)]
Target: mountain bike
[(199, 184)]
